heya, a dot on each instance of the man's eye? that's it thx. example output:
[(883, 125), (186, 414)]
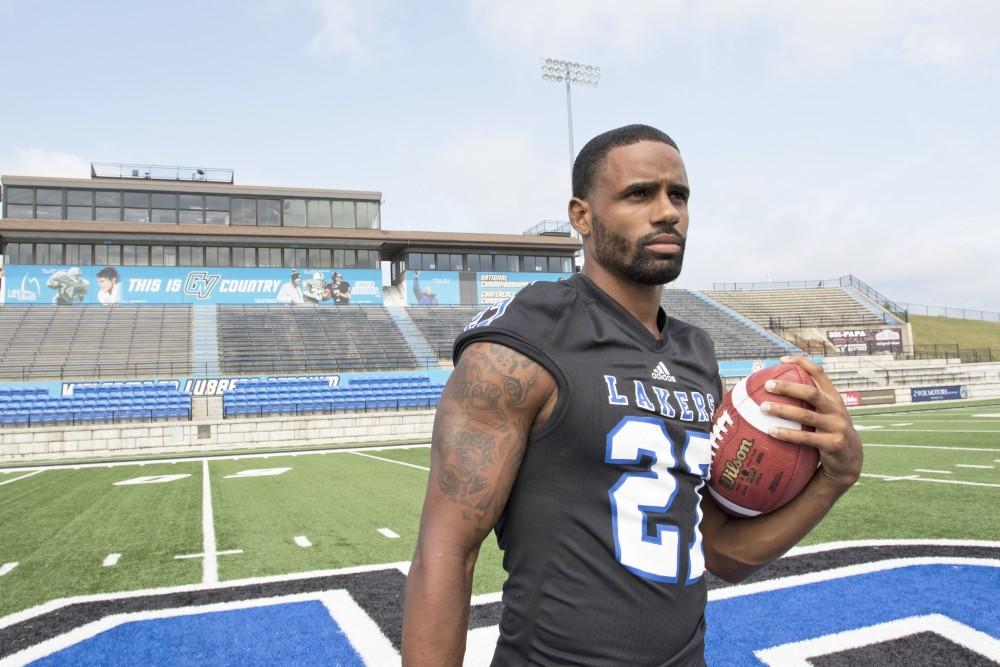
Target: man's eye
[(679, 196), (638, 194)]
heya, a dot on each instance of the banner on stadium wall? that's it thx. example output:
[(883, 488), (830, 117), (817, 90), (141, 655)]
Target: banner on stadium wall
[(433, 288), (68, 285), (866, 341), (495, 287), (944, 393), (452, 288), (869, 397)]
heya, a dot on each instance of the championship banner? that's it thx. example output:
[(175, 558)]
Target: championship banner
[(454, 288), (495, 287), (944, 393), (109, 285), (866, 341)]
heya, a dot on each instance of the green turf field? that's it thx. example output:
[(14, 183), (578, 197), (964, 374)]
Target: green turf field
[(932, 472)]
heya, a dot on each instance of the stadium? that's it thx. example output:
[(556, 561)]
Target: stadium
[(203, 443), (219, 387)]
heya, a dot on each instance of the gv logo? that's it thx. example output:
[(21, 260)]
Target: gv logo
[(200, 284)]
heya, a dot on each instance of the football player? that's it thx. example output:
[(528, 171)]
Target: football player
[(575, 425)]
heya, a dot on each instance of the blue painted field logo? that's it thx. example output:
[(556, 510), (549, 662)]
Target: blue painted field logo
[(200, 284)]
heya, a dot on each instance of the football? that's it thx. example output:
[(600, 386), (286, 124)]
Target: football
[(753, 473)]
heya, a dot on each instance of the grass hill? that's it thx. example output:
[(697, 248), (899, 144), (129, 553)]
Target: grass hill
[(968, 334)]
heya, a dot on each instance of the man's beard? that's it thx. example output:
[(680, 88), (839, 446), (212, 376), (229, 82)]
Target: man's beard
[(638, 264)]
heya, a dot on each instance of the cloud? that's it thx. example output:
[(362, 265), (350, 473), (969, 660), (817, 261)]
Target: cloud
[(43, 162), (349, 28), (793, 36), (495, 179)]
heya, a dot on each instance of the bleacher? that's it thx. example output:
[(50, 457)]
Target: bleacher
[(733, 339), (441, 324), (147, 401), (310, 339), (802, 308), (259, 397), (70, 342)]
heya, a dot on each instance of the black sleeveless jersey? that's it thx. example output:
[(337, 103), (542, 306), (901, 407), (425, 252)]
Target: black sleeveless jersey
[(600, 533)]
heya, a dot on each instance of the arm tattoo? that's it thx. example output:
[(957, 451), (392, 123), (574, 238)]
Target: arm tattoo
[(479, 433)]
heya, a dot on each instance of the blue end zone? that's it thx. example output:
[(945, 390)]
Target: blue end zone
[(299, 633), (739, 626)]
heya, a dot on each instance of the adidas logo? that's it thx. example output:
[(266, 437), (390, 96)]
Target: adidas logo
[(661, 373)]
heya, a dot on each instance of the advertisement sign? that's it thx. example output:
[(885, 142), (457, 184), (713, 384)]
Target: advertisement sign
[(852, 399), (109, 285), (445, 288), (432, 288), (866, 341), (944, 393), (869, 397)]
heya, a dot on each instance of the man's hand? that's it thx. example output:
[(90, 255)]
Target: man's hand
[(839, 446), (736, 548)]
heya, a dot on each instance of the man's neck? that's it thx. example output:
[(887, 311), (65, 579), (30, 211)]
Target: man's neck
[(643, 301)]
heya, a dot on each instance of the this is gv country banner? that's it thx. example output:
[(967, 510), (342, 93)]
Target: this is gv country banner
[(68, 285)]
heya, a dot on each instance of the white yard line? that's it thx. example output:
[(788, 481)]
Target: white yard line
[(220, 457), (402, 463), (950, 449), (936, 472), (303, 541), (7, 567), (970, 465), (388, 532), (11, 481), (111, 560), (917, 478), (210, 563)]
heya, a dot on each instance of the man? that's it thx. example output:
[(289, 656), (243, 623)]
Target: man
[(341, 290), (553, 429), (70, 286), (424, 297), (110, 287), (314, 289), (291, 292)]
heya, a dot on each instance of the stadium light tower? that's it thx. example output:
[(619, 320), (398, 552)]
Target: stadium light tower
[(570, 72)]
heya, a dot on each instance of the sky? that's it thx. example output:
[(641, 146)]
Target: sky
[(821, 139)]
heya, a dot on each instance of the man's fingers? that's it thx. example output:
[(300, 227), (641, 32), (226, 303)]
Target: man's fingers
[(805, 416), (815, 371)]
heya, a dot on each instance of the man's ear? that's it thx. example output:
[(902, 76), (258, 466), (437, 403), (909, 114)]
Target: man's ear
[(579, 216)]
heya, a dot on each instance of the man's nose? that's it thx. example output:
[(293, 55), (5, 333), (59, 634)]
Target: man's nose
[(665, 210)]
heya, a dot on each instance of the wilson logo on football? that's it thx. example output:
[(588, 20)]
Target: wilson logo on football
[(661, 373)]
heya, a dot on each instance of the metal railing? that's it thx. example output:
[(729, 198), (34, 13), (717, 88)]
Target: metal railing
[(160, 172), (188, 368), (841, 322), (950, 311), (325, 407), (843, 281)]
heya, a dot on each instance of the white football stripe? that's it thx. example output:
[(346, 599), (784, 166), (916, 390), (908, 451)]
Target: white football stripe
[(303, 541), (749, 410), (731, 506)]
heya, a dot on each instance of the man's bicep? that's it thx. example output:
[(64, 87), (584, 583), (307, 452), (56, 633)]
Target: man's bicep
[(480, 431)]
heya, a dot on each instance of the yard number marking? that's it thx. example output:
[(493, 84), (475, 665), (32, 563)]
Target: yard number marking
[(151, 479)]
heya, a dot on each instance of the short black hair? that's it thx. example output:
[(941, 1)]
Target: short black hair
[(108, 272), (591, 157)]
